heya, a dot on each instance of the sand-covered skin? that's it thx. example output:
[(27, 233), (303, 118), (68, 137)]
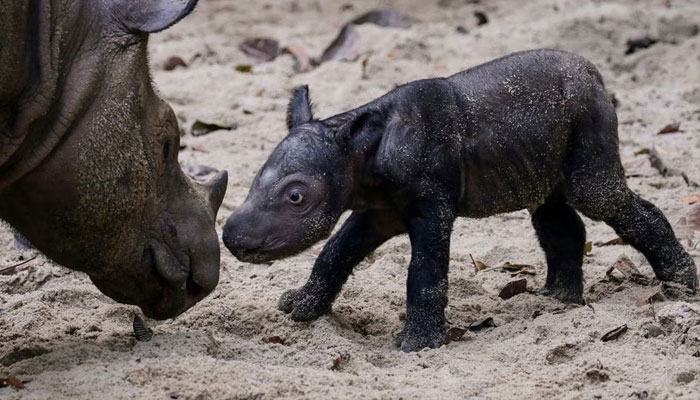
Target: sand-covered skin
[(69, 341)]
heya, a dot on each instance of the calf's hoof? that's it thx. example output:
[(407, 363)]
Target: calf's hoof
[(687, 277), (571, 294), (410, 340), (303, 305)]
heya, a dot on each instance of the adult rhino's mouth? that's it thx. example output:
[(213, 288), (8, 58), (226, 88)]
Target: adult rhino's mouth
[(175, 275)]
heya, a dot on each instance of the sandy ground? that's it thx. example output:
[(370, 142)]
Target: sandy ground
[(68, 341)]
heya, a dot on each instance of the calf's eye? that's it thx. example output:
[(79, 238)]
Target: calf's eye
[(295, 197)]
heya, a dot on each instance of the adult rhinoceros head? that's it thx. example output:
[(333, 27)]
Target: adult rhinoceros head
[(88, 153)]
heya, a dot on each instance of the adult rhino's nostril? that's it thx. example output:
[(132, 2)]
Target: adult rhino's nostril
[(216, 187)]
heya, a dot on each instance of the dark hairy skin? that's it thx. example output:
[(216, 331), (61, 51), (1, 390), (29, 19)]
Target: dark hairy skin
[(534, 130), (88, 152)]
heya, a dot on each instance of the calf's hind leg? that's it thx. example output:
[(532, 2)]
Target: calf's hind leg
[(643, 226), (562, 236)]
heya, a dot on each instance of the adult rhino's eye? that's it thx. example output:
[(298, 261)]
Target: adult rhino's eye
[(295, 197)]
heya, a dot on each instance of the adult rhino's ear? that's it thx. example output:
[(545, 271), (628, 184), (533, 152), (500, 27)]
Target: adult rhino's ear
[(299, 108), (361, 132), (148, 16)]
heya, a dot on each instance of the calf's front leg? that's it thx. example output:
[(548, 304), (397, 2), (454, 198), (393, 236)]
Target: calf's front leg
[(429, 227), (362, 233)]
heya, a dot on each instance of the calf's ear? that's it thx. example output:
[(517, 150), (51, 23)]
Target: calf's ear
[(299, 108), (361, 132), (148, 16)]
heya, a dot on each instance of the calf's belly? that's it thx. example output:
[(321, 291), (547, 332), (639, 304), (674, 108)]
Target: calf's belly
[(498, 180)]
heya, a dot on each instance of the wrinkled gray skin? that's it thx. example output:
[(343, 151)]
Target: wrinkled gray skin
[(88, 152), (534, 130)]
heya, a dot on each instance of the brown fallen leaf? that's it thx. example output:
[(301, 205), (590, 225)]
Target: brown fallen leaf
[(302, 61), (688, 225), (588, 248), (274, 340), (345, 46), (517, 267), (614, 334), (262, 49), (11, 381), (513, 288), (201, 128), (483, 324), (644, 150), (612, 242), (629, 271), (174, 62), (385, 17), (454, 334), (670, 128), (692, 199), (478, 265), (244, 68), (651, 295)]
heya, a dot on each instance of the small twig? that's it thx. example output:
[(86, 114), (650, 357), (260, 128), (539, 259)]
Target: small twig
[(10, 268), (473, 262)]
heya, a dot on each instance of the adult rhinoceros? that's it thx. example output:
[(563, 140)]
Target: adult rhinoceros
[(88, 152)]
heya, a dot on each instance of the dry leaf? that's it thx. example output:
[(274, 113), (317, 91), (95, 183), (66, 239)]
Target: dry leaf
[(345, 46), (385, 17), (513, 288), (629, 271), (516, 267), (651, 295), (612, 242), (614, 334), (11, 381), (483, 324), (670, 128), (688, 225), (174, 62), (201, 128), (302, 61), (263, 49), (478, 265), (454, 334), (519, 269), (588, 248), (692, 199), (274, 340)]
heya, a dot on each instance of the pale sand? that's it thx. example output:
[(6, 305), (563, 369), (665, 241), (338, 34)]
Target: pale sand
[(58, 331)]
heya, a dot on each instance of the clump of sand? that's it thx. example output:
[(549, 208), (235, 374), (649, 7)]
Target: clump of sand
[(59, 332)]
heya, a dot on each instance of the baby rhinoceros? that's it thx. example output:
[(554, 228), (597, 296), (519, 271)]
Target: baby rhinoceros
[(534, 130)]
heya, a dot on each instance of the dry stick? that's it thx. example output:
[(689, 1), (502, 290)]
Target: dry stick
[(473, 262), (10, 268)]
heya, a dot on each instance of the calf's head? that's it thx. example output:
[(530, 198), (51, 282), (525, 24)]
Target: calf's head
[(110, 199), (304, 186)]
